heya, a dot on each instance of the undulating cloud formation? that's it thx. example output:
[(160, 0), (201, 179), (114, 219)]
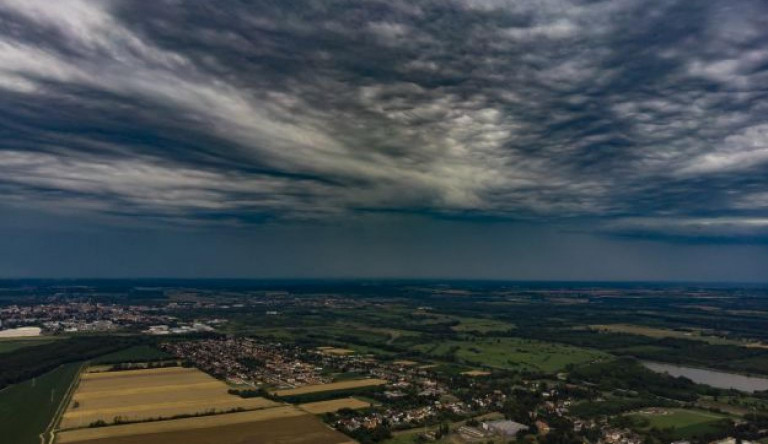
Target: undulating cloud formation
[(634, 117)]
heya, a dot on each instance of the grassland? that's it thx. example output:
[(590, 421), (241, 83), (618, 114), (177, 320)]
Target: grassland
[(139, 395), (333, 386), (685, 423), (26, 409), (512, 353), (285, 424), (333, 405)]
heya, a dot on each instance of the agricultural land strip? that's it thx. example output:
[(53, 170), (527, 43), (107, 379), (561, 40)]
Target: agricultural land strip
[(342, 385)]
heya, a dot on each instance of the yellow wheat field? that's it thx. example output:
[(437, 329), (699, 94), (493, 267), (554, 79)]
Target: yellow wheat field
[(139, 395), (342, 385)]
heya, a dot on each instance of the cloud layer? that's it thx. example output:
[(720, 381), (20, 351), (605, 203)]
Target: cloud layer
[(638, 116)]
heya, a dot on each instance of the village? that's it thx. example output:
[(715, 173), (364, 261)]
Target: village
[(411, 397)]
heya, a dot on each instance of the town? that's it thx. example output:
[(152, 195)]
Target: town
[(403, 364)]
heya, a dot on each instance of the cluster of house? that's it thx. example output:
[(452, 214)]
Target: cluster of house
[(81, 316), (182, 328), (250, 362), (729, 440), (488, 429), (620, 436)]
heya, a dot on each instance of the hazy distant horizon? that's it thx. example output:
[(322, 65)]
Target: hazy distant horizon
[(289, 281)]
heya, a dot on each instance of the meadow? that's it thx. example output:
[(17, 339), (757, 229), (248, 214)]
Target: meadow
[(27, 408), (685, 423)]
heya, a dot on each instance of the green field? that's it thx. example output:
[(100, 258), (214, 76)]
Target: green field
[(513, 353), (137, 353), (26, 409), (10, 345), (481, 325), (685, 423)]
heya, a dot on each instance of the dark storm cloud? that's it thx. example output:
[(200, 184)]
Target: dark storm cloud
[(637, 116)]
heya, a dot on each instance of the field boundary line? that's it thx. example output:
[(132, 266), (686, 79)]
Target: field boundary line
[(50, 430)]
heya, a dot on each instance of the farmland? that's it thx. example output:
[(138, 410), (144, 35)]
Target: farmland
[(325, 357), (141, 397), (694, 335), (137, 395), (274, 425), (333, 405), (26, 409), (512, 353), (334, 386)]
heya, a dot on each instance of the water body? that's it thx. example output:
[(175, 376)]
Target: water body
[(712, 378)]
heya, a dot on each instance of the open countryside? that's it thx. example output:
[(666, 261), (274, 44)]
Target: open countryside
[(550, 379), (384, 222)]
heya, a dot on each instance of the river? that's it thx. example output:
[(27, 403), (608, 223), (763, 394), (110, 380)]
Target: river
[(712, 378)]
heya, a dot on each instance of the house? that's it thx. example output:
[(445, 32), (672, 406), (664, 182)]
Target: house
[(503, 427)]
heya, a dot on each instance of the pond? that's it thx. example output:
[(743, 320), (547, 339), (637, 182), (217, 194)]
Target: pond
[(712, 378)]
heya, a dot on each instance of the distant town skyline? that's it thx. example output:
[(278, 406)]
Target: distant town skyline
[(488, 139)]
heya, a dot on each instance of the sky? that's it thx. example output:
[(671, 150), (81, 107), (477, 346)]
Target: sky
[(491, 139)]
